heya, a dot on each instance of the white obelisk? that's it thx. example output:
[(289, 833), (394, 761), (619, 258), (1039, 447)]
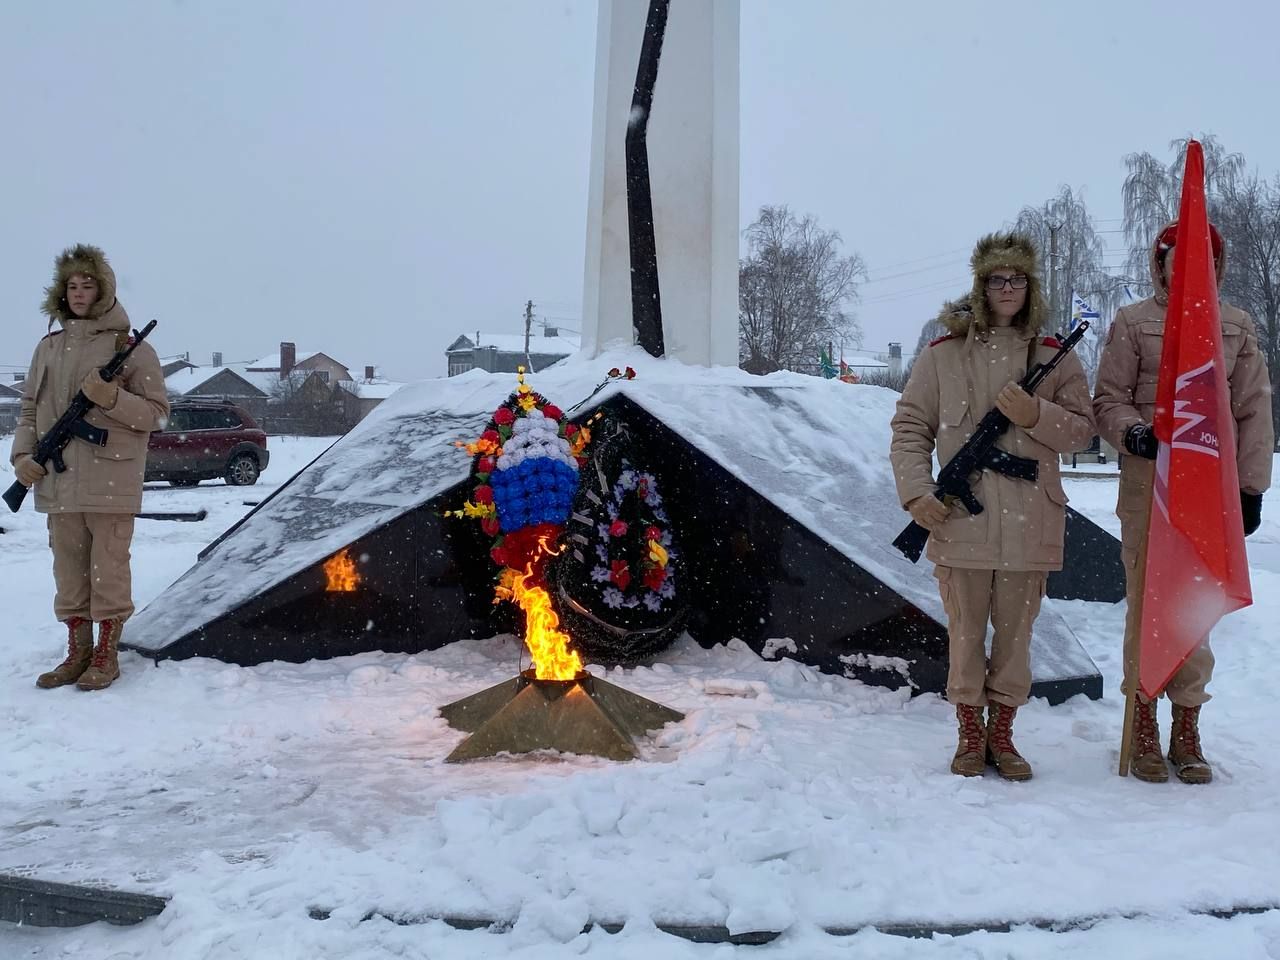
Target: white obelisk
[(693, 173)]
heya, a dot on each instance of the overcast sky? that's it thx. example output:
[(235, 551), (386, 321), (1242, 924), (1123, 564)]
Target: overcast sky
[(373, 179)]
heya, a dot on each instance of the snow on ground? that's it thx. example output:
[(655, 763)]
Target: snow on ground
[(785, 799)]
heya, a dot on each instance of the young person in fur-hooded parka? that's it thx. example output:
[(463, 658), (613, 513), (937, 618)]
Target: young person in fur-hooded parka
[(91, 506), (991, 567)]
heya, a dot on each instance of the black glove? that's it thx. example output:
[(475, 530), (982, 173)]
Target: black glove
[(1140, 440), (1251, 510)]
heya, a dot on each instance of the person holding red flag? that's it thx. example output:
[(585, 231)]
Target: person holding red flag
[(1212, 375)]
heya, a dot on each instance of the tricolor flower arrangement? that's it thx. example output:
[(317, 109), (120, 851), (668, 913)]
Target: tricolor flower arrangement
[(526, 473)]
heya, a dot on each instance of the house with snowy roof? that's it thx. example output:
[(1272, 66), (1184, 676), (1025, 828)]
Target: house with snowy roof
[(10, 404), (504, 352), (286, 377)]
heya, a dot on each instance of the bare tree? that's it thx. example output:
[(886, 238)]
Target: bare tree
[(795, 292), (1152, 191), (303, 403), (931, 331), (1063, 224), (1248, 215), (896, 382)]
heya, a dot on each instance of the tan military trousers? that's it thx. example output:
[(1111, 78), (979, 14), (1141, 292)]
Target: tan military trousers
[(91, 565), (1010, 601), (1133, 507)]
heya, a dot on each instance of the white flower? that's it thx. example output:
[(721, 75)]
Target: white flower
[(613, 597), (504, 461), (600, 574), (653, 601)]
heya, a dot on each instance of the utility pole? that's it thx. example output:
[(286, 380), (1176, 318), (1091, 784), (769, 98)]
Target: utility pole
[(528, 324), (1053, 274)]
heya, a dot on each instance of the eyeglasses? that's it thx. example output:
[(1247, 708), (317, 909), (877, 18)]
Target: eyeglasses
[(997, 282)]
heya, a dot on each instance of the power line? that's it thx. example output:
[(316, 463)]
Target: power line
[(908, 273), (912, 291), (932, 256)]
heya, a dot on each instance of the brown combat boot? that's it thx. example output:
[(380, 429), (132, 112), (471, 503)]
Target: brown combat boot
[(969, 761), (1184, 747), (79, 651), (104, 667), (1001, 752), (1146, 761)]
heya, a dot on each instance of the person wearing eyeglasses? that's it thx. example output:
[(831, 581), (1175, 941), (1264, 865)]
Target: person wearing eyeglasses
[(991, 567), (1124, 404)]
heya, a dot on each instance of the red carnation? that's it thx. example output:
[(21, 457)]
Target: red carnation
[(631, 374), (570, 429), (490, 526), (642, 488), (619, 574), (503, 417), (552, 412), (654, 577), (485, 465), (653, 533), (491, 436), (484, 494), (618, 528), (615, 372), (522, 547)]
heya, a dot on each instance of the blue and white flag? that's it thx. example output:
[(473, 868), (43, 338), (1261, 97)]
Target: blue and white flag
[(1082, 311)]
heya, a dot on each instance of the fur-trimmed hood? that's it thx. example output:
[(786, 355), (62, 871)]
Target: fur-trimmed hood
[(1159, 249), (996, 250), (82, 259)]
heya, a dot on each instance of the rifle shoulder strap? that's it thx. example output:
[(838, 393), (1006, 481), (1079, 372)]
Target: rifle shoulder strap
[(1031, 354)]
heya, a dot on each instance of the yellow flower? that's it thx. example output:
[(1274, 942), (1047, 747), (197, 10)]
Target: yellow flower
[(504, 591), (481, 510), (579, 441), (658, 553), (527, 402)]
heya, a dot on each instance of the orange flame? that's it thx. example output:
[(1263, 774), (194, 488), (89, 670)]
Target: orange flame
[(548, 646), (340, 571)]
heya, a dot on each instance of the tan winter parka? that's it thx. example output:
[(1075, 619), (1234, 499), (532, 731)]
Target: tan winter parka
[(1130, 370), (953, 383), (98, 479)]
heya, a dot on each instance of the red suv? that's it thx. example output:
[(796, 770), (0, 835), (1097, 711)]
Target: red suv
[(204, 440)]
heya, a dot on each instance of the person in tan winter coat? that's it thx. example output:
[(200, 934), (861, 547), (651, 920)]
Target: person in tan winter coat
[(1124, 403), (991, 567), (91, 506)]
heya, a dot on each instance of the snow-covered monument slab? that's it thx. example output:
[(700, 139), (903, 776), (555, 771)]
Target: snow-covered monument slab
[(778, 487)]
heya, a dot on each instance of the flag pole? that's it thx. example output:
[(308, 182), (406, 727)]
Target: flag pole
[(1133, 664), (1126, 742)]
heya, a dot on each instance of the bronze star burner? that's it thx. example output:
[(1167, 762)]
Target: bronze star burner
[(585, 715)]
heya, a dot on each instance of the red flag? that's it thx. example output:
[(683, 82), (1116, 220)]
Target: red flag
[(1197, 571)]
